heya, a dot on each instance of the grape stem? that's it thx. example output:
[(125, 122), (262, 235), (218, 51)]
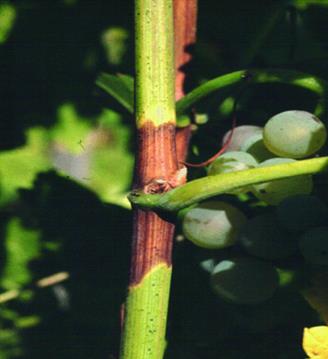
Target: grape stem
[(219, 153), (210, 186), (256, 76)]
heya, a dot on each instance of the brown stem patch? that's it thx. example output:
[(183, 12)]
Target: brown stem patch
[(158, 151), (156, 157), (183, 136), (156, 163), (185, 24), (151, 245)]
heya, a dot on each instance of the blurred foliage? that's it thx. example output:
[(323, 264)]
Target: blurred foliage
[(22, 246), (303, 4), (66, 156), (7, 20), (19, 166), (114, 41)]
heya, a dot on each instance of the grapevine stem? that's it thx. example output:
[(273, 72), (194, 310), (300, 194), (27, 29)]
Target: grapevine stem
[(148, 292), (254, 76), (206, 187)]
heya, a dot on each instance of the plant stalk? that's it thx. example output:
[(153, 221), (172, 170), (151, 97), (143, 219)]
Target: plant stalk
[(185, 25), (156, 162), (206, 187), (255, 76)]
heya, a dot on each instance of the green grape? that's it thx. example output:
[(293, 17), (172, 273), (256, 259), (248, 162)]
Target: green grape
[(239, 136), (254, 145), (274, 192), (232, 161), (244, 280), (262, 237), (213, 224), (301, 212), (314, 245), (294, 134)]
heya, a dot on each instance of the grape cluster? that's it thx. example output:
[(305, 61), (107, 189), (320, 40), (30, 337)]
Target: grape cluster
[(293, 223)]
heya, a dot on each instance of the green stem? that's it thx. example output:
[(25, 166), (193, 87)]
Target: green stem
[(303, 4), (148, 292), (145, 326), (120, 87), (206, 187), (154, 62), (253, 76)]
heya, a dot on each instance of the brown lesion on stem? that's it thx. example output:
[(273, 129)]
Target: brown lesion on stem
[(183, 136), (156, 157), (160, 150), (185, 24), (156, 166), (152, 243)]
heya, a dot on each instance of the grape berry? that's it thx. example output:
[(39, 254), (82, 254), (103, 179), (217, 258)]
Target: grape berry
[(213, 224), (275, 191), (295, 228), (244, 280), (295, 134)]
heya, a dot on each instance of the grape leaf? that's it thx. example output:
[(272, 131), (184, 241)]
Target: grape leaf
[(19, 166), (22, 246), (120, 87)]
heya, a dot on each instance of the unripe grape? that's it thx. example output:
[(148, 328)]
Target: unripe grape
[(255, 146), (244, 280), (262, 237), (314, 245), (301, 212), (294, 134), (213, 224), (232, 161), (239, 136), (274, 192)]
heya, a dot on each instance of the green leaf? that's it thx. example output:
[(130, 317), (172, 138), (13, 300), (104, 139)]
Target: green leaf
[(129, 82), (111, 165), (71, 130), (7, 20), (19, 166), (120, 87), (93, 151), (22, 246)]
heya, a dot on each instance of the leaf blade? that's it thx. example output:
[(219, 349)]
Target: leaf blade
[(120, 87)]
